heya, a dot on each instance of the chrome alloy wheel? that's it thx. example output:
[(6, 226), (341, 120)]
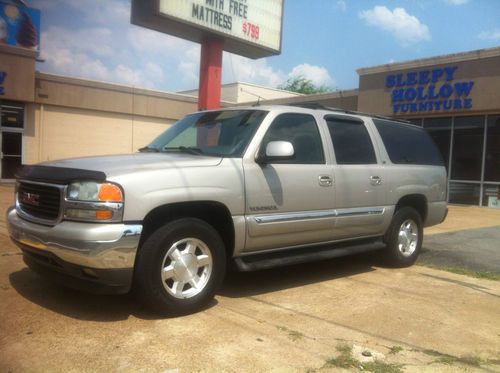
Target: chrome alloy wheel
[(186, 268), (408, 237)]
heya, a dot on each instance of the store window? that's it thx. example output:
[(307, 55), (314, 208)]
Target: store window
[(11, 114), (440, 131), (464, 193), (491, 196), (492, 160), (467, 153)]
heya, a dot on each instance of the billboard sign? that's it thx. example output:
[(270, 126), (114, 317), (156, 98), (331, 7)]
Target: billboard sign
[(19, 26), (251, 28)]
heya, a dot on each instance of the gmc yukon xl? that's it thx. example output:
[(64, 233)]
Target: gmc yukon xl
[(253, 187)]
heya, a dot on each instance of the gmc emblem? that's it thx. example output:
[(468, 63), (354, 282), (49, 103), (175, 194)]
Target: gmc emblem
[(30, 198)]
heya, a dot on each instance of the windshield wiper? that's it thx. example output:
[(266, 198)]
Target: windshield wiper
[(185, 149), (148, 149)]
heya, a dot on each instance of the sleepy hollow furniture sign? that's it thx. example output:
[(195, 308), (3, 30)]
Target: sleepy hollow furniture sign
[(434, 90)]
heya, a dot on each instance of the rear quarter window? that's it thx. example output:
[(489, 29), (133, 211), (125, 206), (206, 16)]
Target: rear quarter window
[(408, 144)]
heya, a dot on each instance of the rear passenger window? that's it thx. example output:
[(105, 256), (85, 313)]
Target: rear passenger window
[(351, 141), (302, 131), (407, 144)]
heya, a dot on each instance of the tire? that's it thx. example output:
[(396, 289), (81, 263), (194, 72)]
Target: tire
[(404, 238), (180, 267)]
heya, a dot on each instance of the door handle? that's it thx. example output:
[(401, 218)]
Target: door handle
[(375, 180), (325, 180)]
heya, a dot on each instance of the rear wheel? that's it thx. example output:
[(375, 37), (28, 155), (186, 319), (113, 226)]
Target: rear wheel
[(404, 237), (180, 267)]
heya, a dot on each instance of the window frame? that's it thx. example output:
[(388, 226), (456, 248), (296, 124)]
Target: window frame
[(344, 118), (263, 144), (410, 127)]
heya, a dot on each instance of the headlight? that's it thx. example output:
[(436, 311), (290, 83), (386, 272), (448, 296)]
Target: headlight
[(95, 192), (92, 201)]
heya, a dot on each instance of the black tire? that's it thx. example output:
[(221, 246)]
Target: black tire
[(156, 292), (394, 254)]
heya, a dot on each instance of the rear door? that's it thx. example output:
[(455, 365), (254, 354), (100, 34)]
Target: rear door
[(359, 179)]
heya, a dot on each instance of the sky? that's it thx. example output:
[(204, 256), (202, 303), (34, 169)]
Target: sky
[(323, 40)]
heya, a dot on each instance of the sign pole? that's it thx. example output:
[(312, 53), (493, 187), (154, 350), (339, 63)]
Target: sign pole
[(210, 74)]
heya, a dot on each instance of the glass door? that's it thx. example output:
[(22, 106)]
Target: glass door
[(11, 155), (11, 138)]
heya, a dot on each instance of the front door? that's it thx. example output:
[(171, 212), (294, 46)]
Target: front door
[(290, 202), (11, 138)]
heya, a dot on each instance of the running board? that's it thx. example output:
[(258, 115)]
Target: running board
[(305, 254)]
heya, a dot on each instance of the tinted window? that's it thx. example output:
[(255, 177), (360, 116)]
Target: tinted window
[(351, 142), (407, 144), (302, 131)]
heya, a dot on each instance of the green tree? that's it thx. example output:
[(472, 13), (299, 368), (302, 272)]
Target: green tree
[(301, 84)]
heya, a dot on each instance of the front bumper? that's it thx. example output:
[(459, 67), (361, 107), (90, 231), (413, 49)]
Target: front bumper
[(100, 255)]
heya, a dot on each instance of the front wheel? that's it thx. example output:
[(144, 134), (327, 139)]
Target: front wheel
[(404, 238), (180, 267)]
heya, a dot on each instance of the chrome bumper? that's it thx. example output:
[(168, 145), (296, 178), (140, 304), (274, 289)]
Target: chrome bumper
[(100, 246)]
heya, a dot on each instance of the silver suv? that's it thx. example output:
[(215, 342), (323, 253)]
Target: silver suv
[(256, 187)]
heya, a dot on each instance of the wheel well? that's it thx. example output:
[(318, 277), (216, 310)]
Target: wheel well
[(417, 201), (213, 213)]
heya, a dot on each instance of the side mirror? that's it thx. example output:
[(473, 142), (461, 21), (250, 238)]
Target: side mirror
[(276, 151)]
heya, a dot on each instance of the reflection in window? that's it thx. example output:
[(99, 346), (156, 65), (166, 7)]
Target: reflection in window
[(440, 131), (491, 196), (467, 154), (466, 194), (492, 166)]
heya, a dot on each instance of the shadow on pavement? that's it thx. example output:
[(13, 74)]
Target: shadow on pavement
[(79, 305), (108, 308), (245, 284)]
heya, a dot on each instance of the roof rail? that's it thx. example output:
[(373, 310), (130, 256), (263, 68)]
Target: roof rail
[(316, 106)]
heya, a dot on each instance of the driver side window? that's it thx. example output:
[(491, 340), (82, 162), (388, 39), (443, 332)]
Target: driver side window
[(302, 131)]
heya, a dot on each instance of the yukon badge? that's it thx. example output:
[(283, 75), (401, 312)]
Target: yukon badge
[(30, 198)]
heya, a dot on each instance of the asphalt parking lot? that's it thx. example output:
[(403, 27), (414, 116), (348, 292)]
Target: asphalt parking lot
[(313, 317)]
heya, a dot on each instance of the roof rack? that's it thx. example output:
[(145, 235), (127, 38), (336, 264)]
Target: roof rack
[(316, 106)]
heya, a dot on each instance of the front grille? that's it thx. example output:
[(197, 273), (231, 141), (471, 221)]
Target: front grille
[(39, 201)]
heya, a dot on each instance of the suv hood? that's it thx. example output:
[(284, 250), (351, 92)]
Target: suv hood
[(115, 165)]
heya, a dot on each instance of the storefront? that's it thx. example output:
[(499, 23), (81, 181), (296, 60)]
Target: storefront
[(456, 99)]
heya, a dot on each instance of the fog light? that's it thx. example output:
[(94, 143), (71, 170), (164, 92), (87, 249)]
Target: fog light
[(103, 214), (89, 214)]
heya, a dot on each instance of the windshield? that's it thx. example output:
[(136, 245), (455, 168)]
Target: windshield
[(214, 133)]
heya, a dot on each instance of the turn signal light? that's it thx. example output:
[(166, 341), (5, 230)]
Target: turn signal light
[(110, 193), (103, 214)]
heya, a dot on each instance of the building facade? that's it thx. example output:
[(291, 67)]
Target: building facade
[(455, 98)]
